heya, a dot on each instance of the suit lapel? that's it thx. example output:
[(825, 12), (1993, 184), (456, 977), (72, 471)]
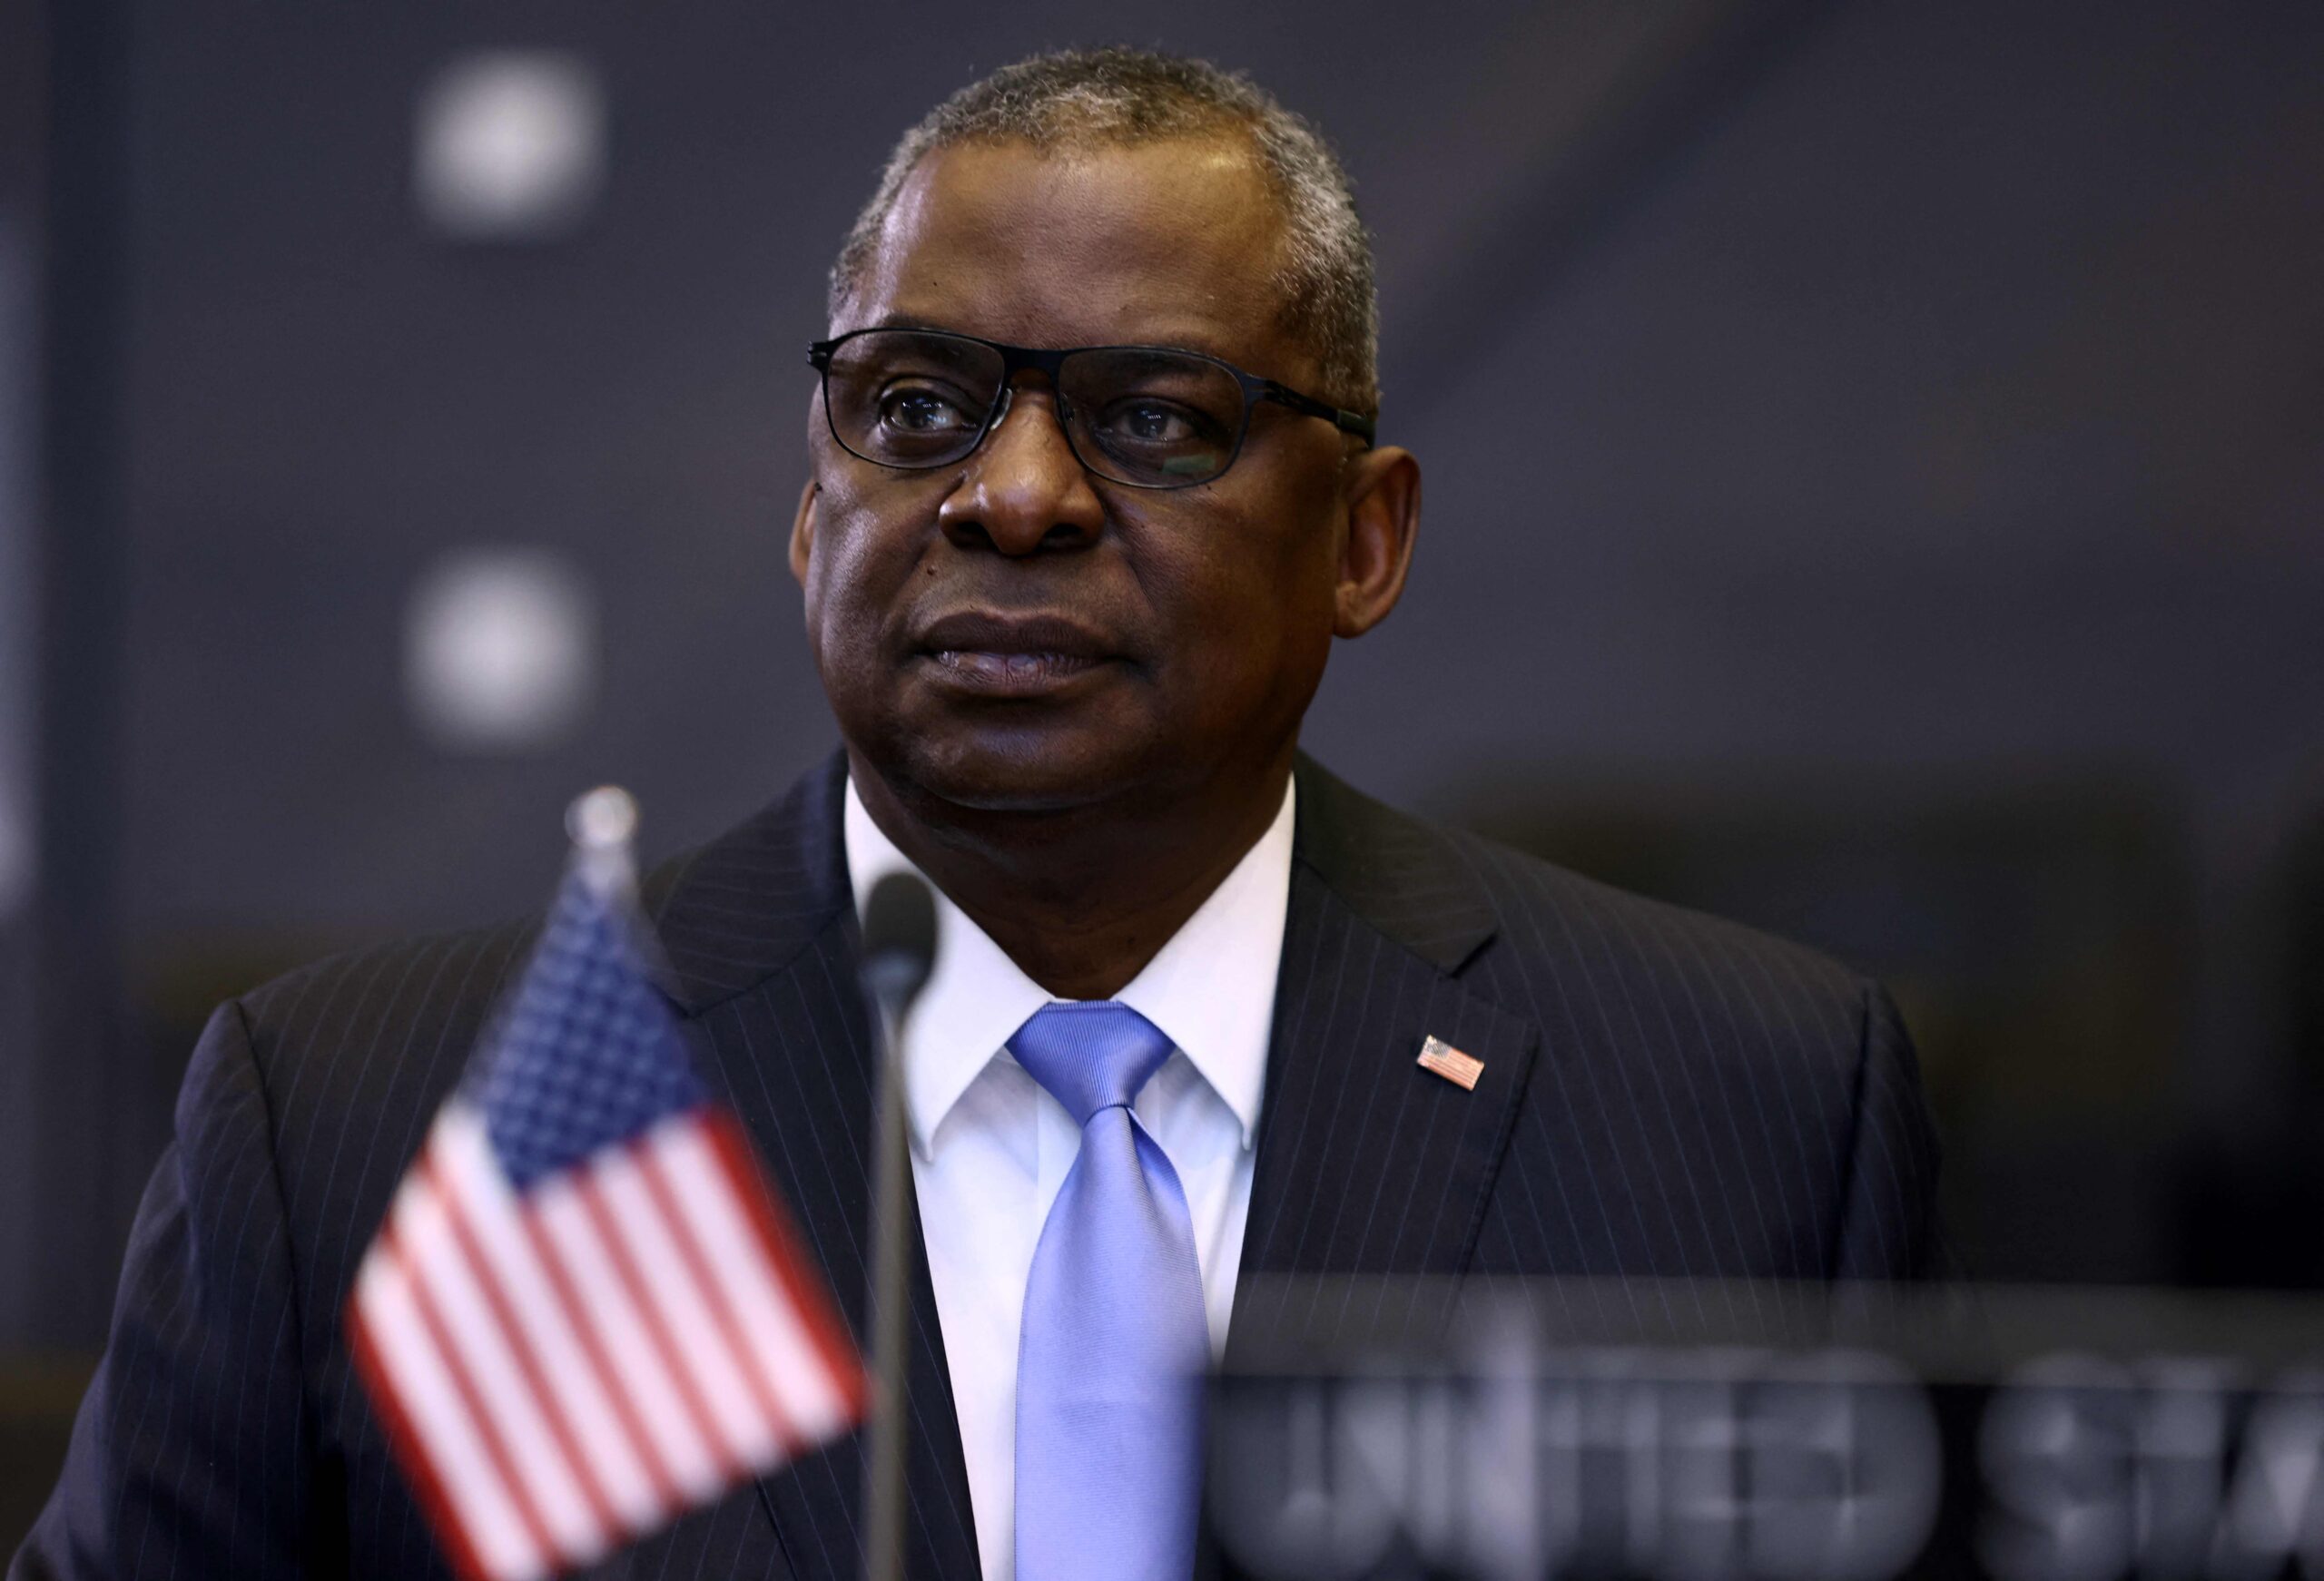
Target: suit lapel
[(1367, 1163), (760, 932)]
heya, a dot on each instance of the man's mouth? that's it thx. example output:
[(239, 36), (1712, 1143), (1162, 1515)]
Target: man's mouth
[(984, 667), (1015, 656)]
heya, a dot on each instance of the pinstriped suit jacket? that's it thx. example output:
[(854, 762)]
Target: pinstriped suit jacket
[(1663, 1096)]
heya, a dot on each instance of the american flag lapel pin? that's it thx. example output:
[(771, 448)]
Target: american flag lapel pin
[(1461, 1070)]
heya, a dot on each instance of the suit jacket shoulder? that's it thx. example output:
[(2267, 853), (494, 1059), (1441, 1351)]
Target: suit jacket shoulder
[(1703, 1099)]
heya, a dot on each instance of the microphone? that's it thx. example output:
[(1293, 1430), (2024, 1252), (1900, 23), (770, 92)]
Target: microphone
[(898, 954), (898, 941)]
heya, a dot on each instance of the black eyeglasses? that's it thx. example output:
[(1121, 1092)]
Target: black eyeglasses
[(1150, 417)]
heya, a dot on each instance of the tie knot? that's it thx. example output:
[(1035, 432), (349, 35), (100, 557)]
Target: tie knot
[(1091, 1054)]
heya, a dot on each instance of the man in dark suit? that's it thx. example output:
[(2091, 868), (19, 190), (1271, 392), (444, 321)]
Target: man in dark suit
[(1093, 492)]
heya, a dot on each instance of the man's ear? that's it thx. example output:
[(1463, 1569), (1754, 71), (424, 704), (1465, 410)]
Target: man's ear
[(802, 532), (1383, 491)]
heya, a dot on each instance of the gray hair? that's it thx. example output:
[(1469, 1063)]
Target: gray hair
[(1077, 100)]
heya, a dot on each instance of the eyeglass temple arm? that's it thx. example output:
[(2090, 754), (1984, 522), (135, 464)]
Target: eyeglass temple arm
[(1355, 423)]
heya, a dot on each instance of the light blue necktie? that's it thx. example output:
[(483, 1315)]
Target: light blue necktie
[(1115, 1339)]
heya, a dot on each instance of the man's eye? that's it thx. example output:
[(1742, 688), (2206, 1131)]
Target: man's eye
[(1149, 422), (921, 411)]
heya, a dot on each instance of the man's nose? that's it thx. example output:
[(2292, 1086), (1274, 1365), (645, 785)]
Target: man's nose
[(1024, 489)]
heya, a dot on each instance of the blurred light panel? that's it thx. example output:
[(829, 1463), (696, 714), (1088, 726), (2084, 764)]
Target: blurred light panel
[(500, 650), (510, 145)]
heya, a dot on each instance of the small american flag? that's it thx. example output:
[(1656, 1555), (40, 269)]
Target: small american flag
[(586, 1312)]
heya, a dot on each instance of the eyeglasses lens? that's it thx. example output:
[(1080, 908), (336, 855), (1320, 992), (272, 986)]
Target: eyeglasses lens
[(1149, 418), (907, 399), (1156, 419)]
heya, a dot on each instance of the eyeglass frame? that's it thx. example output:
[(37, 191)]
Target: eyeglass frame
[(1016, 359)]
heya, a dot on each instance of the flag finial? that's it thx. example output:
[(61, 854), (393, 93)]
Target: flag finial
[(602, 819)]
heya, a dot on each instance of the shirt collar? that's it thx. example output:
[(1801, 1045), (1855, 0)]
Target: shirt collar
[(1210, 988)]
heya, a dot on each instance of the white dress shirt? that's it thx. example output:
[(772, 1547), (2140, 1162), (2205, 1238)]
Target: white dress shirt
[(990, 1147)]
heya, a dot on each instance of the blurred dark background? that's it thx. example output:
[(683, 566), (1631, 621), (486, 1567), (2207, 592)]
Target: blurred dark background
[(1875, 490)]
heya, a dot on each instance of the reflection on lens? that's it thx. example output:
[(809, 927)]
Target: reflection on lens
[(1148, 417)]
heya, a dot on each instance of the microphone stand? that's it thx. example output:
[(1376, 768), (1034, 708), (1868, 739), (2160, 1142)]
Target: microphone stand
[(894, 1212), (899, 951)]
